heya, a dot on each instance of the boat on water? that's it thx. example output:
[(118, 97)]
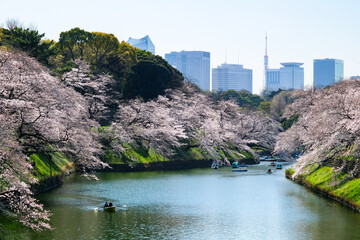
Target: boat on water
[(215, 165), (239, 170), (235, 165), (109, 209), (273, 164), (278, 166), (269, 171)]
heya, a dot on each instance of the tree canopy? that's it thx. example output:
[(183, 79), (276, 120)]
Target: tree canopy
[(72, 43), (150, 77), (29, 41), (100, 47), (243, 98)]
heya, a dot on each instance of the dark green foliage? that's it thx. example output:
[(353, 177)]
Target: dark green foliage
[(150, 77), (243, 98), (287, 123), (29, 41)]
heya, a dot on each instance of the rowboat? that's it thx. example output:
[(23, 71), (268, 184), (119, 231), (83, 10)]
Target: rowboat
[(278, 166), (239, 170), (109, 209)]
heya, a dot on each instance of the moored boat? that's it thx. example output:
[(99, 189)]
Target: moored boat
[(278, 166), (215, 165), (235, 165)]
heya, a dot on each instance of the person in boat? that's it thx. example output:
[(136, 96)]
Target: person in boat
[(106, 204), (110, 204)]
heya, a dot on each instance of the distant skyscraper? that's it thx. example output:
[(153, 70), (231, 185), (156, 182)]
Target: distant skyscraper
[(272, 79), (327, 71), (194, 65), (354, 78), (144, 43), (231, 76), (291, 76)]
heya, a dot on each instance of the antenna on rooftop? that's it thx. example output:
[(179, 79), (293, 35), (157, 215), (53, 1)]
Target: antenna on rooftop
[(225, 56), (238, 57)]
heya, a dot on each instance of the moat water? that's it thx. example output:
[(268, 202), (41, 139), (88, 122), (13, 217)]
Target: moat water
[(192, 204)]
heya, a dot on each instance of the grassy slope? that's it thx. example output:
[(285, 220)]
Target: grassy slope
[(141, 155), (50, 165)]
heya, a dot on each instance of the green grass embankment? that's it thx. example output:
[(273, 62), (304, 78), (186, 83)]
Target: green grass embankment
[(333, 184), (134, 155), (50, 165)]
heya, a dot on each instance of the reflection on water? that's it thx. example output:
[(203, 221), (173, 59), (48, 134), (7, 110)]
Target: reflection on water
[(194, 204)]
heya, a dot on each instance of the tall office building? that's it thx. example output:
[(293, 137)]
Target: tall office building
[(327, 71), (194, 65), (144, 43), (291, 76), (272, 79), (231, 76)]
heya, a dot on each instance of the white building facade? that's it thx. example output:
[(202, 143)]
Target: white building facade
[(289, 76), (231, 76), (272, 79)]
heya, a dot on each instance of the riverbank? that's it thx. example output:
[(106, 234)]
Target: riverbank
[(328, 183)]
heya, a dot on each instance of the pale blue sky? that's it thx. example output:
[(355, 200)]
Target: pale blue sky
[(297, 30)]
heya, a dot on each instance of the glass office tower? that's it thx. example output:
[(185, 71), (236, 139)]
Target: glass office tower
[(144, 43), (194, 65), (327, 71)]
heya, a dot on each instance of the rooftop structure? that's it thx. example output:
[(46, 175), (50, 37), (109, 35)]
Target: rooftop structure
[(144, 43)]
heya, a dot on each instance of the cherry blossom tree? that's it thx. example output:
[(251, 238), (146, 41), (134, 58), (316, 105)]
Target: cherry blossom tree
[(38, 114), (97, 89), (327, 127), (186, 115)]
